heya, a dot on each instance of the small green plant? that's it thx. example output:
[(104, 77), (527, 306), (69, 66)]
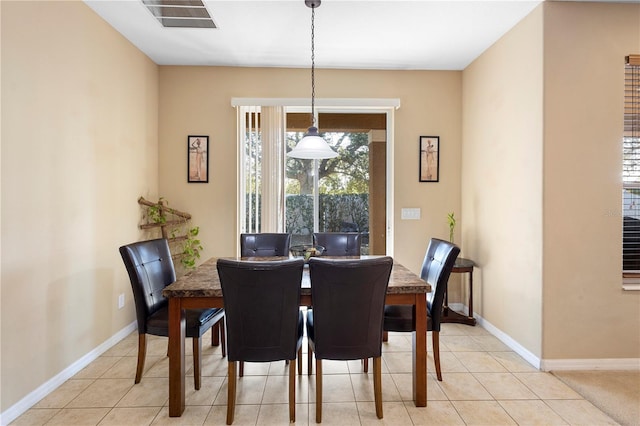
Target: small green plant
[(155, 212), (183, 238), (191, 248), (452, 225)]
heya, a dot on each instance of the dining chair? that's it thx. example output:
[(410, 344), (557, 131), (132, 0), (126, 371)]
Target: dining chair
[(436, 268), (264, 321), (338, 243), (264, 244), (346, 320), (150, 270)]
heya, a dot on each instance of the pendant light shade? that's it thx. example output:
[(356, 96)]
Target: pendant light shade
[(312, 145)]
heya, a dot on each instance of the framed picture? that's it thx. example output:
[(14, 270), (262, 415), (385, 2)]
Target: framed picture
[(429, 158), (198, 159)]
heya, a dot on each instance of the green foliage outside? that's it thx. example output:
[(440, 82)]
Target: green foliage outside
[(348, 173)]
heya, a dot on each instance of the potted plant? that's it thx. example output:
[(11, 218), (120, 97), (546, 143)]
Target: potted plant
[(452, 225)]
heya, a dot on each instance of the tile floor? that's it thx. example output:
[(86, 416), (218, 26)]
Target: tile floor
[(485, 383)]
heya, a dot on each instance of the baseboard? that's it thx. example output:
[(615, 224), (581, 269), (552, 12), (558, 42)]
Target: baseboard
[(631, 364), (509, 341), (45, 389)]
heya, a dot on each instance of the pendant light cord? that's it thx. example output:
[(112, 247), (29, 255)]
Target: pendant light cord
[(313, 67)]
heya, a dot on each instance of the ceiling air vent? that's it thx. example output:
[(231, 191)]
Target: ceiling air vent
[(180, 13)]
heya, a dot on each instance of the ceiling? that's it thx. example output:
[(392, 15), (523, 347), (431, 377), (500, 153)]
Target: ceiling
[(357, 34)]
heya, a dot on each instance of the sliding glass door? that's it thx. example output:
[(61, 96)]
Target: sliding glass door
[(342, 194)]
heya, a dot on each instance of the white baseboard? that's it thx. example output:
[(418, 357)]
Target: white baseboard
[(553, 364), (528, 356), (46, 388), (632, 364)]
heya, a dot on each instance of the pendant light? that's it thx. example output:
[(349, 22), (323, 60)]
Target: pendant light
[(312, 145)]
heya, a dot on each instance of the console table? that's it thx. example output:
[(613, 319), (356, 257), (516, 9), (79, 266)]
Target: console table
[(461, 266)]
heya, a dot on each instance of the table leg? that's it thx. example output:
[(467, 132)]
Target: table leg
[(420, 353), (470, 314), (176, 357)]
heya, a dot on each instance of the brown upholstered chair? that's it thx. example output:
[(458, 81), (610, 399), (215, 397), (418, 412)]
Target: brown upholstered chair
[(264, 244), (150, 270), (338, 243), (264, 320), (436, 268), (346, 320)]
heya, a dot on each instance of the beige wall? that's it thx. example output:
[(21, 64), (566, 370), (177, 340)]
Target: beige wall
[(546, 102), (89, 124), (197, 100), (502, 181), (79, 146), (584, 304)]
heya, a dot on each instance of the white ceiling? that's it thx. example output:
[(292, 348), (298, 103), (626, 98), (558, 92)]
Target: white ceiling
[(358, 34)]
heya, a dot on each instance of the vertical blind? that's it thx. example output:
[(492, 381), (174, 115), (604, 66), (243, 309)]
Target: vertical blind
[(261, 149), (631, 168)]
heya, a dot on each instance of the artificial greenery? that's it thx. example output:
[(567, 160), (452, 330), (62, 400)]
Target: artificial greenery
[(452, 225), (155, 212), (190, 247)]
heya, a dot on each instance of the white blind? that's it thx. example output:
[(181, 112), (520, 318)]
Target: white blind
[(631, 168), (273, 123), (261, 153)]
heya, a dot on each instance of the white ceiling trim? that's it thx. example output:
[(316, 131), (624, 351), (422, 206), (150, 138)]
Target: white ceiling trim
[(359, 103)]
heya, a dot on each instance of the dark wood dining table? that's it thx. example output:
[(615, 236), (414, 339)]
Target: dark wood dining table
[(200, 288)]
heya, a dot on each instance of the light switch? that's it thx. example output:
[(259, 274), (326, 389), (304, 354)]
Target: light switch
[(410, 213)]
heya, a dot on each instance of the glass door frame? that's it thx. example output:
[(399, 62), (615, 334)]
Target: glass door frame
[(385, 106)]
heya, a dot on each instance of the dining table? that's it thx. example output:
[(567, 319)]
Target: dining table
[(200, 288)]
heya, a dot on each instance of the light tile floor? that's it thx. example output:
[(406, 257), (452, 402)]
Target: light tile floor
[(485, 383)]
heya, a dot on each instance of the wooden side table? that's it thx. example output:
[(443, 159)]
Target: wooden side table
[(461, 266)]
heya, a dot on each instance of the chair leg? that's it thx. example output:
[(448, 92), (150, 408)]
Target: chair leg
[(377, 385), (365, 361), (299, 361), (435, 337), (241, 372), (197, 362), (318, 390), (309, 360), (385, 336), (292, 392), (215, 334), (223, 338), (231, 392), (142, 353)]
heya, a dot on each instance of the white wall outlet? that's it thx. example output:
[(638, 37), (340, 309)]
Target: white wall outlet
[(121, 301), (410, 213)]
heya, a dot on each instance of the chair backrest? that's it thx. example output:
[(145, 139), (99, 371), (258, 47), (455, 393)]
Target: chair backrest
[(348, 304), (338, 243), (264, 244), (150, 269), (262, 308), (436, 268)]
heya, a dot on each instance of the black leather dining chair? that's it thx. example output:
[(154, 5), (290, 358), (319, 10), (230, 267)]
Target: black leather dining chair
[(150, 270), (436, 268), (264, 244), (338, 243), (346, 320), (264, 320)]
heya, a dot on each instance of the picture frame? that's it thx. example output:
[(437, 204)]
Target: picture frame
[(429, 159), (197, 159)]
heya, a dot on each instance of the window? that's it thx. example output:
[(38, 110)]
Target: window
[(631, 172), (349, 193)]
